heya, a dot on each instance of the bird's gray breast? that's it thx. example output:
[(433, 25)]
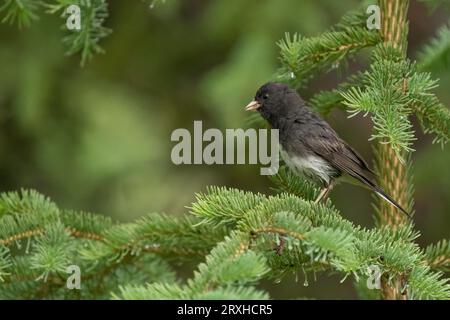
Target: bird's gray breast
[(312, 166)]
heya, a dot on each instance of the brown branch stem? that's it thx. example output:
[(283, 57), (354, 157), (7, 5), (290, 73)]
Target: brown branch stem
[(393, 173)]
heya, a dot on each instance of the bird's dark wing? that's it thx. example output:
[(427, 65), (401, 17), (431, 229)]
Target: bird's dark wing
[(324, 142)]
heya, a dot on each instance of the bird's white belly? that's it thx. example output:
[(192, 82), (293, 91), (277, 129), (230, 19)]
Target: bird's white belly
[(311, 166)]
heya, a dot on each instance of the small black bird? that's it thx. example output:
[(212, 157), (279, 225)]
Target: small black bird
[(309, 146)]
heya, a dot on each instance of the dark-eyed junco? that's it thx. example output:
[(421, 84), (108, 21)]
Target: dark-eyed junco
[(309, 146)]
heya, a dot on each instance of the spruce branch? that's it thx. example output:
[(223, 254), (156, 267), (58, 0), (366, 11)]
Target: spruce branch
[(5, 262), (353, 19), (438, 255), (155, 233), (434, 117), (302, 57), (383, 95), (394, 172), (437, 51), (86, 225), (51, 253), (287, 181), (93, 14), (425, 285), (22, 12), (228, 267), (324, 101), (316, 238), (24, 215), (224, 205), (86, 40), (156, 291), (107, 253)]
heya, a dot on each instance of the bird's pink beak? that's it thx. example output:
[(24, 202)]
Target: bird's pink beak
[(252, 105)]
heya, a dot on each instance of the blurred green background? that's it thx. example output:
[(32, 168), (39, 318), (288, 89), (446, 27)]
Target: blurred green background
[(97, 138)]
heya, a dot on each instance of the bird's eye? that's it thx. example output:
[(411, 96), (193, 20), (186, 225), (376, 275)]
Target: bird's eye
[(266, 96)]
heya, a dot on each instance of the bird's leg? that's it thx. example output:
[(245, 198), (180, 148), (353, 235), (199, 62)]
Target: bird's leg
[(279, 247), (324, 193), (321, 195)]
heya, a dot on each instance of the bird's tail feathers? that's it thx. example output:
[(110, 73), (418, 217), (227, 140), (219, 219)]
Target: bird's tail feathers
[(386, 197), (382, 194)]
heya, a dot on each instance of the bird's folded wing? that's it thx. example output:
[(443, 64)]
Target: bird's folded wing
[(326, 144)]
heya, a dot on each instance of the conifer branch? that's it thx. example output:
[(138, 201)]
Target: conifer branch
[(437, 51), (317, 238), (287, 181), (438, 256), (394, 172), (303, 57), (324, 101), (22, 12), (85, 40), (55, 239), (222, 276), (92, 31)]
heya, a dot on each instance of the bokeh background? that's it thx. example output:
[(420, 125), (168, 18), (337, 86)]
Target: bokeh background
[(97, 138)]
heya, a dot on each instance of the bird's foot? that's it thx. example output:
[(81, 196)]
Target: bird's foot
[(324, 193), (280, 247)]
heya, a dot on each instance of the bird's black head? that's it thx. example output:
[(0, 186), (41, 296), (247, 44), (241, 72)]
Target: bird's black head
[(274, 100)]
